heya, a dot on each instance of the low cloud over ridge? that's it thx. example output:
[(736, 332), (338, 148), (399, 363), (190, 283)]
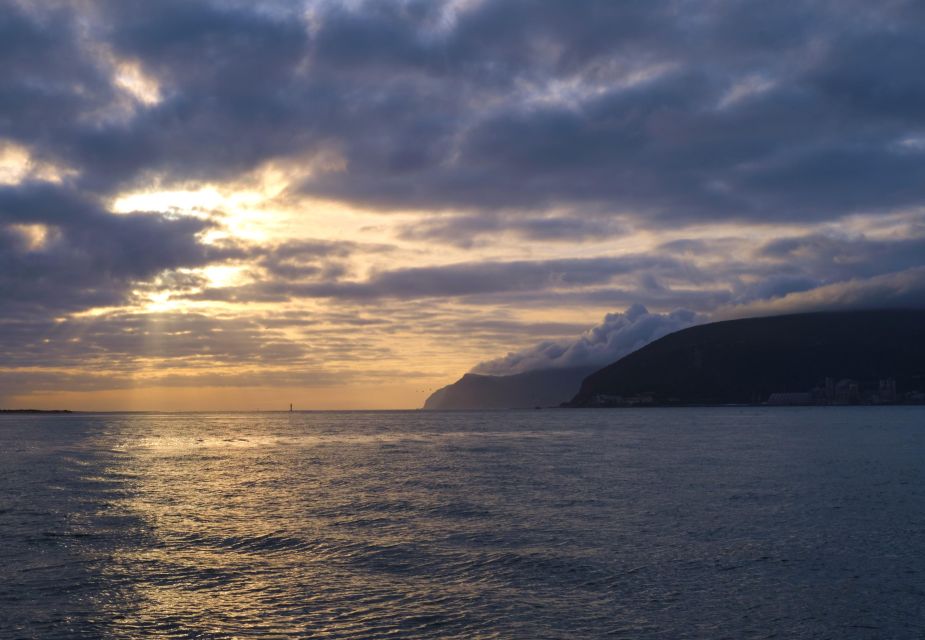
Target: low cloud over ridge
[(618, 335)]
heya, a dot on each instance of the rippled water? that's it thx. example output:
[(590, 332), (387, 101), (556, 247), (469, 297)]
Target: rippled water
[(712, 523)]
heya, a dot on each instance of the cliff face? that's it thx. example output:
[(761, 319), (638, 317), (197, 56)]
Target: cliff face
[(543, 388), (742, 361)]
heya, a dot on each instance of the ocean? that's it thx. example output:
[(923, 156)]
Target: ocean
[(652, 523)]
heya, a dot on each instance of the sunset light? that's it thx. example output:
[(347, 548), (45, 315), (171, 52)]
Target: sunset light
[(462, 319)]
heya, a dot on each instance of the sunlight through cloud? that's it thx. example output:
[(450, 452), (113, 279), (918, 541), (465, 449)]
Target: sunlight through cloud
[(17, 164)]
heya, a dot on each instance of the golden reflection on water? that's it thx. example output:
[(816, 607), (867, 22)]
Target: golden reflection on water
[(201, 500), (228, 537)]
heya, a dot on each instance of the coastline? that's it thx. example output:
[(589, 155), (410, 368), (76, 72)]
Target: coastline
[(38, 411)]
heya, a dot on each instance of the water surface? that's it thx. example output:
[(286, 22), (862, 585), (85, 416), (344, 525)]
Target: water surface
[(694, 523)]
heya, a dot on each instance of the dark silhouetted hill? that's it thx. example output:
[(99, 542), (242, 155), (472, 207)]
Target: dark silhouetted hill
[(542, 388), (744, 361)]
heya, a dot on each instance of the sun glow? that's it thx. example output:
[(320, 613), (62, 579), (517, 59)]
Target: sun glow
[(35, 237), (181, 202), (17, 164), (132, 79), (239, 214), (162, 302), (225, 275), (14, 163)]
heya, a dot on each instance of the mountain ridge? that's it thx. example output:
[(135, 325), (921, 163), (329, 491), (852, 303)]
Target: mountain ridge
[(745, 361), (537, 388)]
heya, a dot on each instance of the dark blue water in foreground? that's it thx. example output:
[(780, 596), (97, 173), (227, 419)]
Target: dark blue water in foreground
[(713, 523)]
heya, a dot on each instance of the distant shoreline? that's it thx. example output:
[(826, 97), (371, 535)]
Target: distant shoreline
[(36, 411), (734, 405), (420, 410)]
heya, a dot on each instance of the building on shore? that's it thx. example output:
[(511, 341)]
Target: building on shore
[(609, 400), (790, 399), (847, 391), (887, 392)]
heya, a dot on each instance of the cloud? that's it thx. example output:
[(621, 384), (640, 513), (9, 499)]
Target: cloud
[(839, 257), (483, 278), (697, 274), (470, 230), (618, 335), (124, 340), (638, 121), (519, 154), (659, 110), (61, 251), (901, 290)]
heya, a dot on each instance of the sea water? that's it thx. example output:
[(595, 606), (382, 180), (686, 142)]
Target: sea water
[(675, 523)]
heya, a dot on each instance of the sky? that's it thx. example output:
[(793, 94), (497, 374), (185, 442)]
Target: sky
[(239, 205)]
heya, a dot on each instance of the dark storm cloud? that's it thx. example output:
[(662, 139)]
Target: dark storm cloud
[(665, 109), (746, 113), (226, 75), (88, 257), (232, 96), (469, 230), (481, 278), (50, 80)]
